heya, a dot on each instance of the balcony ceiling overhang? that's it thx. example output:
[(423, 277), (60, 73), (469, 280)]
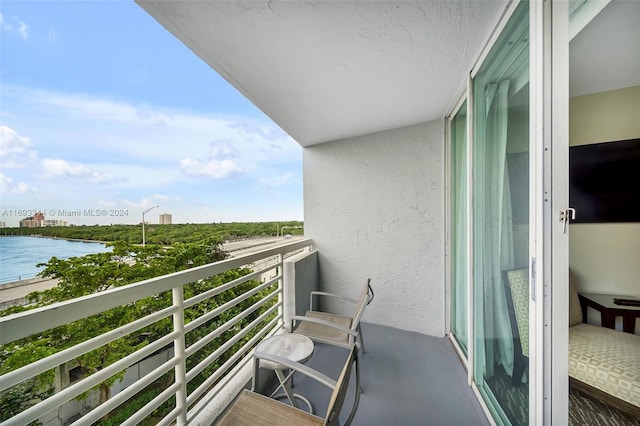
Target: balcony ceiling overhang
[(329, 70)]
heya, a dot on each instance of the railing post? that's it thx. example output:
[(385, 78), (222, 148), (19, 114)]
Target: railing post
[(281, 288), (179, 348)]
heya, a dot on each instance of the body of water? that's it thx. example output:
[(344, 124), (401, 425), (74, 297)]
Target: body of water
[(20, 255)]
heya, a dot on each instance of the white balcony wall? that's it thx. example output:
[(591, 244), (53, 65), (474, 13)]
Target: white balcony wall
[(300, 279), (374, 205)]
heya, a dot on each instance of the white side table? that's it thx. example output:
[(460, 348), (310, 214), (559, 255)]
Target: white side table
[(295, 347)]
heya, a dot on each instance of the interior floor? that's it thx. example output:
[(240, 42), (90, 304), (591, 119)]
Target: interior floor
[(583, 409)]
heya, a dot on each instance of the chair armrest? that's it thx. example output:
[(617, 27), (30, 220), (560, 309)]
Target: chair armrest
[(307, 371), (325, 323), (326, 294)]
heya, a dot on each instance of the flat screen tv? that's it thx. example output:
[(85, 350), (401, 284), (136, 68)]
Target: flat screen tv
[(604, 181)]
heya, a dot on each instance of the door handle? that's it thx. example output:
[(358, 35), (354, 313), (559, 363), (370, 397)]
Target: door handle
[(566, 215)]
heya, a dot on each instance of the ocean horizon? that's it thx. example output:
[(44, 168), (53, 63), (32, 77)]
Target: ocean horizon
[(19, 255)]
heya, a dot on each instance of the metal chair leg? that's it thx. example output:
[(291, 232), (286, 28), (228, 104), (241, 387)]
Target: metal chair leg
[(357, 396), (361, 337)]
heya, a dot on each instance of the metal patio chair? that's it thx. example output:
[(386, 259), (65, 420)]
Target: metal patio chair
[(251, 408), (334, 329)]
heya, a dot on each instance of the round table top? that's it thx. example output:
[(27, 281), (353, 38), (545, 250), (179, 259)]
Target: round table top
[(295, 347)]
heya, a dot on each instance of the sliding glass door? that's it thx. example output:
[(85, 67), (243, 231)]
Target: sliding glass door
[(501, 222), (459, 227), (508, 146)]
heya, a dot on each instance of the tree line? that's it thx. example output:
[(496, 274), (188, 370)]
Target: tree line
[(164, 234)]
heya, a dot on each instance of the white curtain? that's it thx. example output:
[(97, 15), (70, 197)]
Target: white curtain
[(495, 218)]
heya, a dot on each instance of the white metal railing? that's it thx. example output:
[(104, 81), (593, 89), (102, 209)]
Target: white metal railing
[(37, 321)]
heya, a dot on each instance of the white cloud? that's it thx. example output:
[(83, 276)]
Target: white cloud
[(144, 155), (23, 29), (8, 187), (211, 168), (14, 149), (107, 204), (217, 165), (276, 181), (16, 25), (145, 133), (53, 36), (79, 172), (146, 203), (223, 149), (11, 142)]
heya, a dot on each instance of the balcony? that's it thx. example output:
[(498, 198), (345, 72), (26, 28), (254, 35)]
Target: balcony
[(407, 378)]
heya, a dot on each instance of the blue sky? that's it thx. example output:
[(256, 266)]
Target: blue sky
[(103, 111)]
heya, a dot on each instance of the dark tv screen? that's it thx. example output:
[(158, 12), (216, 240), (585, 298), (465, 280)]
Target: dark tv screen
[(604, 181)]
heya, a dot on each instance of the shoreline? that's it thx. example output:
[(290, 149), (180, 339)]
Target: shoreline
[(80, 240), (14, 293), (33, 278)]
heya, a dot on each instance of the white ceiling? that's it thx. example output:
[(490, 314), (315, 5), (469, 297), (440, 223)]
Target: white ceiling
[(605, 55), (328, 70)]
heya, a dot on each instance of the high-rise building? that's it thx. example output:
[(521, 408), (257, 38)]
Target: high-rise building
[(165, 219), (34, 221)]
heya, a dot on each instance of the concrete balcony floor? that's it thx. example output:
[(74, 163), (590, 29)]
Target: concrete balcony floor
[(407, 379)]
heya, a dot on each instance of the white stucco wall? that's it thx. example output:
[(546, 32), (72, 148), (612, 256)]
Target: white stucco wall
[(374, 207)]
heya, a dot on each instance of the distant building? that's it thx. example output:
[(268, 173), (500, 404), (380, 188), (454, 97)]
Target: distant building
[(35, 221), (30, 223), (3, 224), (54, 222), (165, 219)]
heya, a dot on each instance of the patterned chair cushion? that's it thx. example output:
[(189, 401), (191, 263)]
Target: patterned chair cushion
[(519, 285), (606, 359), (575, 311)]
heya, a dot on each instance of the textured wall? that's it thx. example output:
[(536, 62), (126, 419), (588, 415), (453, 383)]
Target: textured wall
[(374, 208)]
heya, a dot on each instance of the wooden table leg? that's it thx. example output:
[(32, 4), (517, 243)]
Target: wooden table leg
[(629, 323), (608, 319)]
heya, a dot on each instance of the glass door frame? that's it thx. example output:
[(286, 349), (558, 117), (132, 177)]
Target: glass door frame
[(467, 359), (548, 192), (549, 324)]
